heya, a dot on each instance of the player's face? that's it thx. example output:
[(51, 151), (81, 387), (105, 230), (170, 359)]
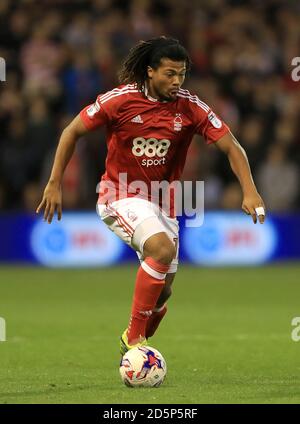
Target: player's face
[(165, 81)]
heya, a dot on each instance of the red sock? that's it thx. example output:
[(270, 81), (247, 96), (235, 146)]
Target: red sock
[(154, 320), (149, 284)]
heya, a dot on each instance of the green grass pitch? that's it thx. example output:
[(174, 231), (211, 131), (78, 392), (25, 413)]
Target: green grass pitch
[(226, 337)]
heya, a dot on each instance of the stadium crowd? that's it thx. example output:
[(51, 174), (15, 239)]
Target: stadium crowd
[(61, 53)]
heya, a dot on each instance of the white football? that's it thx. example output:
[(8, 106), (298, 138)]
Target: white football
[(143, 367)]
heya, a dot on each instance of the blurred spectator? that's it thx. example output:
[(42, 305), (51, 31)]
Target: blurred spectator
[(16, 163), (78, 34), (232, 196), (40, 60), (81, 83), (253, 140), (278, 180)]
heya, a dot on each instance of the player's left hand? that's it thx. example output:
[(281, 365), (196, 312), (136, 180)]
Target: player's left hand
[(254, 205)]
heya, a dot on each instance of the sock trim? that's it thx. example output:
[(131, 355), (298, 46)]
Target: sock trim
[(157, 266), (152, 272)]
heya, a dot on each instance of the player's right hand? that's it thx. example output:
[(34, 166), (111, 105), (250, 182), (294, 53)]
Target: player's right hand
[(51, 201)]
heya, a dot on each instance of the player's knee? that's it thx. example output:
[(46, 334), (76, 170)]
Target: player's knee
[(160, 248), (165, 254)]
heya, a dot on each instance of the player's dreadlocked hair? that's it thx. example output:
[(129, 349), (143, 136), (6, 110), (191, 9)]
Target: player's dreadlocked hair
[(150, 53)]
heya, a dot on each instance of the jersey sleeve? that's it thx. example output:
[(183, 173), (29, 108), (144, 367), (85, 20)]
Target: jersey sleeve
[(207, 123), (100, 113)]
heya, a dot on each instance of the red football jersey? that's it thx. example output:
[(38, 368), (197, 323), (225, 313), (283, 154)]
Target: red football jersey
[(147, 140)]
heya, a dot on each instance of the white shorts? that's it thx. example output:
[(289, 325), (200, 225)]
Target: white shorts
[(134, 220)]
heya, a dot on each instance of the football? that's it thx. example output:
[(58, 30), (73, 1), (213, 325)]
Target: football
[(143, 367)]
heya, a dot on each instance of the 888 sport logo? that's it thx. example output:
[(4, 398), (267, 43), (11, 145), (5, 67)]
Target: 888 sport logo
[(151, 148)]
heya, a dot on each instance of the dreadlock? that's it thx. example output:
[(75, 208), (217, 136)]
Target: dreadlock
[(150, 53)]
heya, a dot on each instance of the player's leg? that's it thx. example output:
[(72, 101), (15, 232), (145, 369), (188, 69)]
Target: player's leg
[(136, 222), (161, 308), (166, 291), (171, 228), (158, 254)]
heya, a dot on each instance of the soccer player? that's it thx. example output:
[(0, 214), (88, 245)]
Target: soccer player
[(150, 122)]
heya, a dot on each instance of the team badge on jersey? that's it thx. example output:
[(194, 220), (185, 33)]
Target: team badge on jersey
[(177, 122), (216, 122)]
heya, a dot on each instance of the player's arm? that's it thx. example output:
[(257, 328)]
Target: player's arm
[(239, 163), (52, 197)]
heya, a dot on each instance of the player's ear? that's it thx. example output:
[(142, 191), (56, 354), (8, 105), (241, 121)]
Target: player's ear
[(149, 72)]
